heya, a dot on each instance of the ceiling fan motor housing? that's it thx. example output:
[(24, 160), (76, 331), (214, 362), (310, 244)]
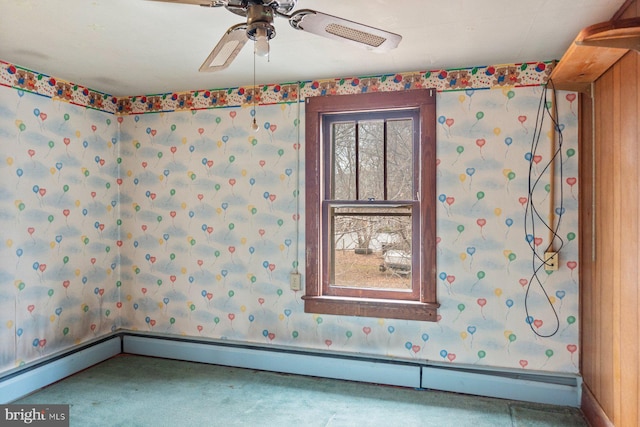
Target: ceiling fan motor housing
[(260, 17)]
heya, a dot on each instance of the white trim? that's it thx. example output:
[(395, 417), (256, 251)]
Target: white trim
[(23, 383)]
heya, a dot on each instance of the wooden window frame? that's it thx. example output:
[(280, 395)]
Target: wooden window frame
[(424, 306)]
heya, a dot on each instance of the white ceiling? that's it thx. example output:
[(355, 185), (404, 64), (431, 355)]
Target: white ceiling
[(134, 47)]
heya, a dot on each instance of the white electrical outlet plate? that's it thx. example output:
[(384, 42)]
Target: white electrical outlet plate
[(551, 261), (295, 281)]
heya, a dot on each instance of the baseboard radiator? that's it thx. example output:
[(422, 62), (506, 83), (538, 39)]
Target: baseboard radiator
[(564, 390), (26, 380)]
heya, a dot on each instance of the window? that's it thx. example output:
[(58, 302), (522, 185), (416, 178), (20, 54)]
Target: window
[(370, 187)]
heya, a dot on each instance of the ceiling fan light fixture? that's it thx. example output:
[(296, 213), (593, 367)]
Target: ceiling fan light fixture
[(262, 42), (260, 27)]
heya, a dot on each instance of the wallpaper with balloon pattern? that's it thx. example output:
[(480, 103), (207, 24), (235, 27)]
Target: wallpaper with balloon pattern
[(189, 223), (59, 216)]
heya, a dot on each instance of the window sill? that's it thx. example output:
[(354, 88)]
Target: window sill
[(367, 307)]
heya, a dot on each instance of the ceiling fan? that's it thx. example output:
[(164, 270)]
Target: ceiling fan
[(259, 27)]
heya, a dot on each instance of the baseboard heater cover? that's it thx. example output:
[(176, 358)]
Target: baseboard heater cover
[(32, 378), (564, 390), (301, 363), (530, 387), (554, 390)]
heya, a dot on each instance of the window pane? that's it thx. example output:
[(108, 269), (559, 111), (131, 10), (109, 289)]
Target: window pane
[(371, 160), (371, 248), (400, 160), (344, 161)]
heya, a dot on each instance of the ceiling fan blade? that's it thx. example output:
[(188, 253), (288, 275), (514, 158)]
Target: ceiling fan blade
[(205, 3), (227, 49), (337, 28)]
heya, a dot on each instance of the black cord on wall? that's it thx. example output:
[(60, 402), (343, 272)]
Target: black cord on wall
[(533, 216)]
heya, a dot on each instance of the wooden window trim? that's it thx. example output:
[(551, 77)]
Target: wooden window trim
[(424, 308)]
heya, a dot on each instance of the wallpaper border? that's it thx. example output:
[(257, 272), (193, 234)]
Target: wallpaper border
[(25, 80), (503, 76)]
